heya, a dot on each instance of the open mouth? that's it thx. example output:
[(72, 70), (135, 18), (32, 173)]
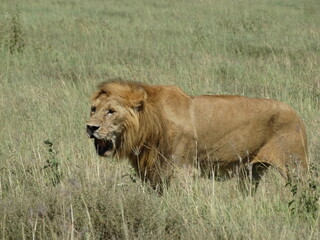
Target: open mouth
[(104, 147)]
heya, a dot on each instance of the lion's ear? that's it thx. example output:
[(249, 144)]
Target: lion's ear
[(140, 98), (97, 94)]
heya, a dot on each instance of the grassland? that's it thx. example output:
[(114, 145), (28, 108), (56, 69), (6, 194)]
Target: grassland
[(54, 52)]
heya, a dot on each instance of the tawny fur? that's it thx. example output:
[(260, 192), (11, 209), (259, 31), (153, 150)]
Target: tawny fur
[(163, 129)]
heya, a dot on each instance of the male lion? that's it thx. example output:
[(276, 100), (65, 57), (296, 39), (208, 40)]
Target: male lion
[(161, 129)]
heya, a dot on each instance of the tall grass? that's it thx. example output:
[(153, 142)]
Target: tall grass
[(53, 53)]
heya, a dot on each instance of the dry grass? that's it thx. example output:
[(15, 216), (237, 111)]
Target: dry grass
[(53, 53)]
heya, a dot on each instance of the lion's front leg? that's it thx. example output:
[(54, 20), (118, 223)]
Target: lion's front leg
[(157, 173)]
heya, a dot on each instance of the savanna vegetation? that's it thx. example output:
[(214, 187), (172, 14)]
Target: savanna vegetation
[(54, 52)]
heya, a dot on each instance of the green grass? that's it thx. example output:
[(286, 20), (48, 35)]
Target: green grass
[(52, 55)]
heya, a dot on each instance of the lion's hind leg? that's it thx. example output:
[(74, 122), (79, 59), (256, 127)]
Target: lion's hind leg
[(273, 153), (250, 176), (283, 152)]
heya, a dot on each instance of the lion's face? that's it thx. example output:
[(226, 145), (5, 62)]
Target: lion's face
[(107, 124), (114, 123)]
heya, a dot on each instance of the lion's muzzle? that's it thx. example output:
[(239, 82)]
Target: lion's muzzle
[(104, 145), (91, 130)]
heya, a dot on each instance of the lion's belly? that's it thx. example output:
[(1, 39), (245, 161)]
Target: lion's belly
[(223, 142), (233, 145), (227, 155)]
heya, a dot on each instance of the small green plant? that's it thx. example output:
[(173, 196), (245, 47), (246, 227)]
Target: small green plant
[(305, 194), (52, 163)]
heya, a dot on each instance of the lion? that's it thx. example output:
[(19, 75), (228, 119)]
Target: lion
[(160, 129)]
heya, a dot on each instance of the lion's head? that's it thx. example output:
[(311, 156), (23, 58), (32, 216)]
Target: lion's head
[(114, 118)]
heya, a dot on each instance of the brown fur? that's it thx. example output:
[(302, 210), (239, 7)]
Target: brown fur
[(160, 129)]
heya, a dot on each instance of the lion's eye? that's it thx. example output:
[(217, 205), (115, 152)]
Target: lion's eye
[(110, 111), (93, 109)]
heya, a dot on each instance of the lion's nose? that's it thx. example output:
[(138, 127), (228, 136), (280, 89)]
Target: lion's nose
[(91, 129)]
